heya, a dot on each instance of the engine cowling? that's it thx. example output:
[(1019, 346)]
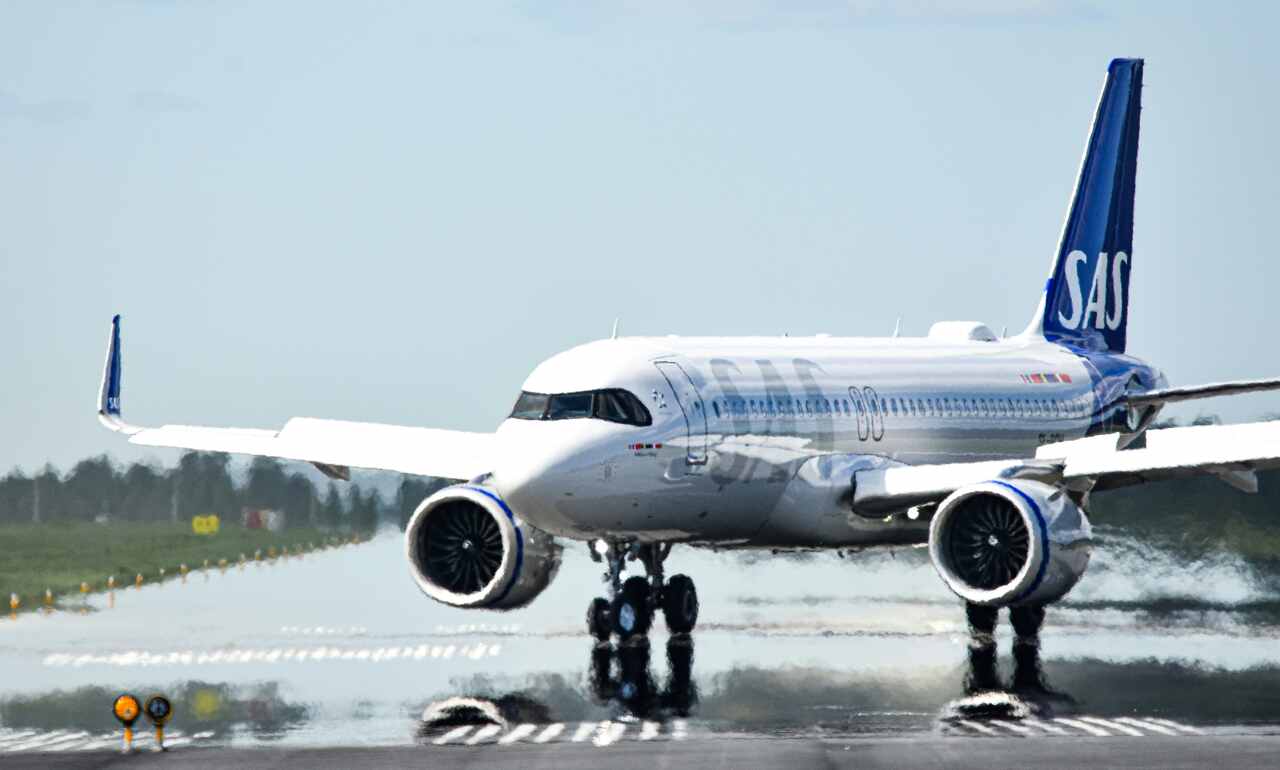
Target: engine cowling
[(1010, 543), (466, 548)]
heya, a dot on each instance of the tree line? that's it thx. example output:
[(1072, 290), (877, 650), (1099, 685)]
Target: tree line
[(201, 483)]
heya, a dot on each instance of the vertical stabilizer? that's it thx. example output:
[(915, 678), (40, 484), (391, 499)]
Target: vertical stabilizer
[(1086, 300)]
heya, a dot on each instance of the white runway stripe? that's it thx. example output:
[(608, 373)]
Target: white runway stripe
[(1152, 726), (62, 743), (679, 730), (1088, 728), (550, 733), (453, 735), (584, 729), (1189, 730), (1114, 726), (1011, 726), (608, 733), (484, 734), (273, 655), (38, 740), (1048, 728), (518, 733), (977, 727), (9, 738), (649, 731)]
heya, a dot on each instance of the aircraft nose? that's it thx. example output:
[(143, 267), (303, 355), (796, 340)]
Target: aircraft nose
[(530, 459)]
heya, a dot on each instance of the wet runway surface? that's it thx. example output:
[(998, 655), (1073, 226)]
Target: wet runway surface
[(338, 649)]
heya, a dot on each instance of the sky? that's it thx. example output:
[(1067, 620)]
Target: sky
[(393, 211)]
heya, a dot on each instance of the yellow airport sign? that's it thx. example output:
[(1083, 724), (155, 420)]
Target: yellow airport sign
[(206, 525)]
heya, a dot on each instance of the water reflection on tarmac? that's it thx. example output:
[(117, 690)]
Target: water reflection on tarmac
[(339, 648)]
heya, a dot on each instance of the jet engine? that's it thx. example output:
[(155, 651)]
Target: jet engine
[(467, 549), (1010, 543)]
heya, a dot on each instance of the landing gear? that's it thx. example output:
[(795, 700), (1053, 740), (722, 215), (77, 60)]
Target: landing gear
[(599, 619), (1027, 621), (633, 609), (982, 620), (680, 604), (632, 604)]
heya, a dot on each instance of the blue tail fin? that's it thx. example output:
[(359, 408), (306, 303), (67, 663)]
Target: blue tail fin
[(1086, 301)]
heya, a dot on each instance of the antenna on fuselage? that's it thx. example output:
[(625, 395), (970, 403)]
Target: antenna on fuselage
[(614, 335), (897, 327), (1004, 331)]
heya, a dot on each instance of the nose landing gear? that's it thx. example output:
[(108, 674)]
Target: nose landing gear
[(632, 604)]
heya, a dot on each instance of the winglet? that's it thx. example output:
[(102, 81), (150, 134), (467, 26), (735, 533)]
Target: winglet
[(109, 393)]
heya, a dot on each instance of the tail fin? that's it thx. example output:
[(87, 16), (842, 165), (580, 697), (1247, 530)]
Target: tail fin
[(1086, 300)]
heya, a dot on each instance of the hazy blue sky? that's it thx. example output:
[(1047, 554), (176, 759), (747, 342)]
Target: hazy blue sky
[(394, 214)]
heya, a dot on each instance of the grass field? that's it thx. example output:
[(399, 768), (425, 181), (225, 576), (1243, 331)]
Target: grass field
[(60, 557)]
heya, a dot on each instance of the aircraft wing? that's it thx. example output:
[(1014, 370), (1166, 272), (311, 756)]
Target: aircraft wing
[(333, 446), (1230, 452), (1213, 390)]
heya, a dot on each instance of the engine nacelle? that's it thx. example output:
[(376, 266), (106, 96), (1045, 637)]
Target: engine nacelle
[(1009, 543), (467, 549)]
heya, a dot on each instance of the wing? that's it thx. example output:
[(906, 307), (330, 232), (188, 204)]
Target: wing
[(1231, 452), (333, 446), (1213, 390)]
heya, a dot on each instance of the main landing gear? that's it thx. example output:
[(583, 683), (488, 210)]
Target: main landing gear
[(629, 610), (1026, 621)]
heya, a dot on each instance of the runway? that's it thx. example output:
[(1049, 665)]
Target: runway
[(820, 658)]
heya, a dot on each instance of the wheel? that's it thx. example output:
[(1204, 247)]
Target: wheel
[(598, 622), (1026, 621), (631, 612), (680, 604)]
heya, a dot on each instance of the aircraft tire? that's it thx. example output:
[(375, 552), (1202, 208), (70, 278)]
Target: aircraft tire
[(599, 623), (632, 614), (680, 604)]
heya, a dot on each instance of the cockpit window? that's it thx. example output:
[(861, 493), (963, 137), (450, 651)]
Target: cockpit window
[(530, 406), (614, 405), (568, 406)]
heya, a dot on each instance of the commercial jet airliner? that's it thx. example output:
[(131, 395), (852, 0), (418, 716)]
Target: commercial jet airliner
[(986, 448)]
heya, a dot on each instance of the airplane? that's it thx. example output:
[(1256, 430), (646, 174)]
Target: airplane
[(984, 447)]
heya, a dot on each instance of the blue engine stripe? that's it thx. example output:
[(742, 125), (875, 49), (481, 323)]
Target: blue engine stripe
[(519, 542), (1044, 541)]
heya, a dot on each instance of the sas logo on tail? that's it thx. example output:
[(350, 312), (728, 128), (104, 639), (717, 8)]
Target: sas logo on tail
[(1095, 311)]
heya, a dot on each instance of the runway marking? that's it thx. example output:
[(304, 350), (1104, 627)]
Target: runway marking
[(1152, 726), (584, 729), (1088, 728), (15, 737), (484, 733), (608, 732), (679, 730), (37, 740), (64, 743), (516, 734), (977, 727), (649, 731), (550, 733), (1179, 727), (1012, 726), (273, 655), (1114, 726), (1045, 726), (453, 734)]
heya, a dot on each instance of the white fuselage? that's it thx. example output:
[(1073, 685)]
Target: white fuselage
[(735, 421)]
